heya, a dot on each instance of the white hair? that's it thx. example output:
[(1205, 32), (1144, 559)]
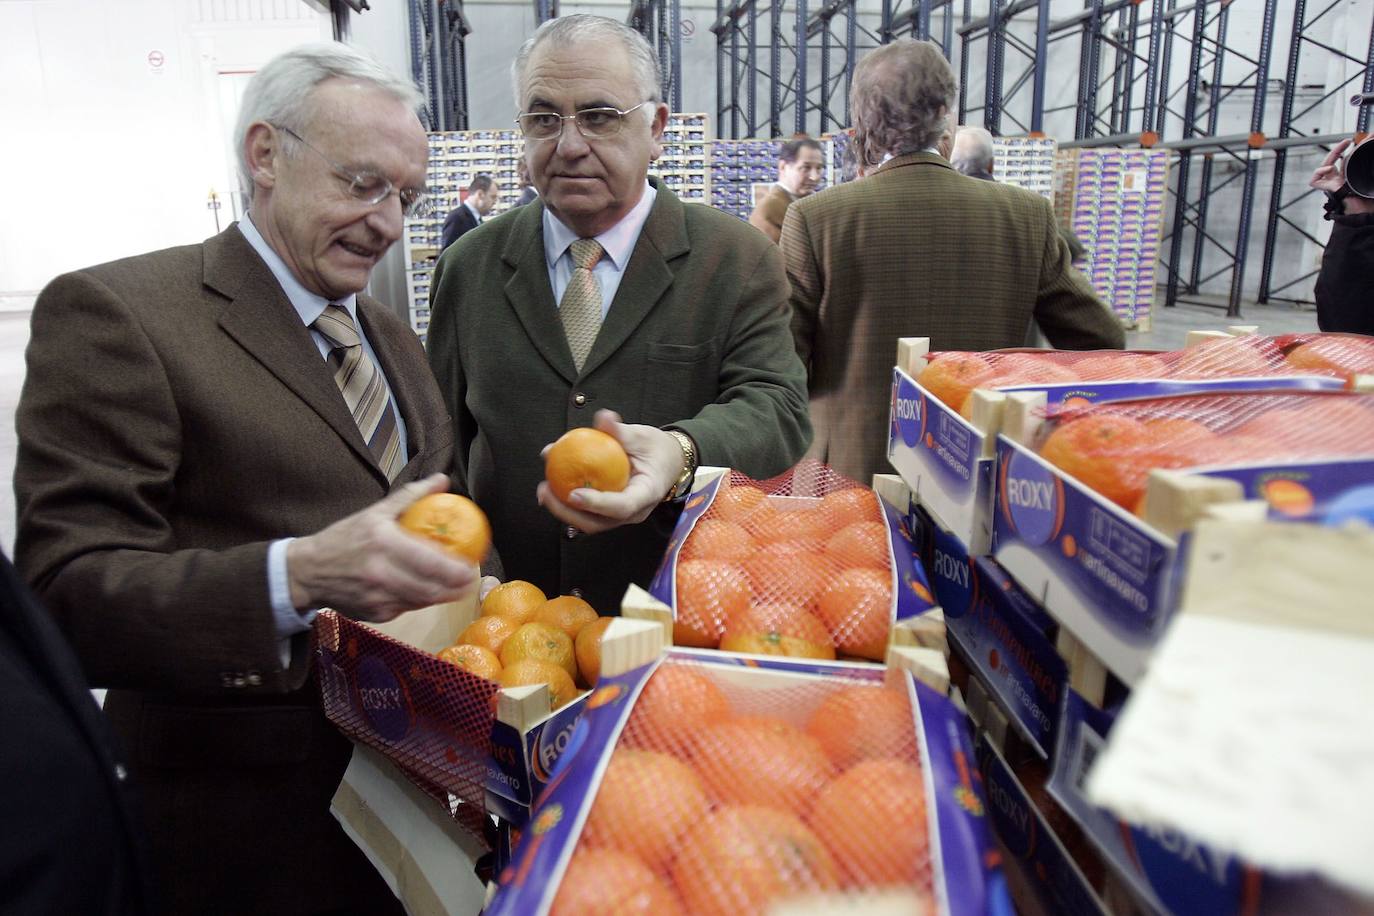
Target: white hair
[(583, 27), (280, 93), (973, 150)]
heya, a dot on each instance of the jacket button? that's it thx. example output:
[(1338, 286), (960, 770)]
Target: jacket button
[(570, 532), (575, 592), (580, 399), (121, 774), (254, 679)]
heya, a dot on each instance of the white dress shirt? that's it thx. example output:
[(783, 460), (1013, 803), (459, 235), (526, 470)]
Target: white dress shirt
[(618, 242)]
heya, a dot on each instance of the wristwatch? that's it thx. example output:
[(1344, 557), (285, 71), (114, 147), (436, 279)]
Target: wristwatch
[(683, 486)]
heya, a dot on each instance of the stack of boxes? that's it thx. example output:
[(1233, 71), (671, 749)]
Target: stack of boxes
[(737, 166), (1117, 212), (685, 163), (1026, 162)]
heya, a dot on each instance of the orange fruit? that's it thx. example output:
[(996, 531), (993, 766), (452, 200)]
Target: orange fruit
[(568, 613), (1107, 452), (709, 593), (951, 376), (744, 858), (1176, 443), (586, 457), (621, 817), (852, 504), (1228, 357), (786, 572), (540, 641), (718, 539), (1336, 425), (857, 607), (800, 521), (778, 629), (761, 760), (861, 544), (673, 707), (477, 660), (737, 501), (516, 600), (1346, 355), (528, 671), (488, 632), (454, 522), (872, 818), (860, 723), (1110, 367), (605, 882), (587, 648)]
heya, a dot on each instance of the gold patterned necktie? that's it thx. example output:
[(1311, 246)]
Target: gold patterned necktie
[(363, 388), (580, 308)]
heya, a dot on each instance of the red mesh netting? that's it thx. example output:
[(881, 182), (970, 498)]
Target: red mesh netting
[(431, 718), (798, 565), (724, 798), (952, 376), (1113, 447)]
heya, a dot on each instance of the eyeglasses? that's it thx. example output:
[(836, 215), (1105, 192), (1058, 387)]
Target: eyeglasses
[(592, 123), (369, 187)]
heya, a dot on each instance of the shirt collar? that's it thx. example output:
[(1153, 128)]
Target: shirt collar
[(618, 241), (307, 304), (784, 189), (473, 210)]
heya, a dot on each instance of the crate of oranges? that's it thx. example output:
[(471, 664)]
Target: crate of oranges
[(701, 785), (948, 408), (808, 564)]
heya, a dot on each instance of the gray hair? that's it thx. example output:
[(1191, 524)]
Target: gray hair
[(280, 93), (896, 98), (583, 27), (973, 151)]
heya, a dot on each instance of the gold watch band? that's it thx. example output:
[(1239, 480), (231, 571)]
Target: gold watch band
[(689, 465)]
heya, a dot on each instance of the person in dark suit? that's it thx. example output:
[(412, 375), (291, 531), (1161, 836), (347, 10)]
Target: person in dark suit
[(483, 195), (244, 431), (991, 260), (801, 166), (608, 295), (1347, 271), (527, 192), (72, 841)]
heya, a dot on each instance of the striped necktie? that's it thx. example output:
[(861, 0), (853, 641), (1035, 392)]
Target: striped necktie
[(580, 308), (363, 388)]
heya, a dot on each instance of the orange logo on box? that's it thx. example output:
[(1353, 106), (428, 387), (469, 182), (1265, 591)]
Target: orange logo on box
[(548, 819), (1288, 497), (930, 441), (695, 501), (921, 591), (968, 800), (606, 695)]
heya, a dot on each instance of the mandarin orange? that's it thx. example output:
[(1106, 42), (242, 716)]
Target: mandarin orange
[(566, 612), (516, 600), (454, 522), (778, 629), (786, 767), (709, 593), (587, 647), (872, 818), (540, 641), (488, 632), (607, 882), (859, 723), (529, 671), (857, 608), (586, 457), (621, 819), (718, 539), (676, 703)]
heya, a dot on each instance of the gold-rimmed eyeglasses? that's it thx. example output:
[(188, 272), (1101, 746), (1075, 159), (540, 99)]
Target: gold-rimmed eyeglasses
[(369, 187), (592, 123)]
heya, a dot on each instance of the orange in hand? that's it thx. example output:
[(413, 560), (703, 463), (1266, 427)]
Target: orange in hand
[(476, 660), (516, 600), (586, 457), (453, 521)]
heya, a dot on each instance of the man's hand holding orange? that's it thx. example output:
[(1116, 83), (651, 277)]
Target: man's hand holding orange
[(655, 465)]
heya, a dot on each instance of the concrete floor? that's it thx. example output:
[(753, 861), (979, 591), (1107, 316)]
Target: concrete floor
[(1169, 328)]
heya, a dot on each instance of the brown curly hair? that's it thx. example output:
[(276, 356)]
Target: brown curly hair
[(900, 98)]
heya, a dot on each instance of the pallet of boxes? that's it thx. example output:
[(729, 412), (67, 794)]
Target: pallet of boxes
[(1054, 496)]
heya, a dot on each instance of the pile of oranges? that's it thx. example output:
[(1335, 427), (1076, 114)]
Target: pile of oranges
[(525, 638), (951, 377), (727, 804), (806, 577)]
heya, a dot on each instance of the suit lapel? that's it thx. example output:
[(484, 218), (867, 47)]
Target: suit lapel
[(529, 292), (261, 319), (647, 276)]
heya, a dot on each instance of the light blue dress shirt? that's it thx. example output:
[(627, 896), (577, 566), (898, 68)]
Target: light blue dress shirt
[(309, 307), (618, 242)]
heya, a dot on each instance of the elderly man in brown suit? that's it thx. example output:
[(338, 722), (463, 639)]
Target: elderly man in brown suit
[(608, 294), (214, 442), (916, 249)]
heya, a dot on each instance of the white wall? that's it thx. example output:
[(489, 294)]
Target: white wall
[(108, 155)]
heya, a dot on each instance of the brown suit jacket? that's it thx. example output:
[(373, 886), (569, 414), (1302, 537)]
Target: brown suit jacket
[(768, 215), (918, 250), (176, 418), (696, 338)]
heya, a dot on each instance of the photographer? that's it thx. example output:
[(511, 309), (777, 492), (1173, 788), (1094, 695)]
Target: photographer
[(1346, 280)]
